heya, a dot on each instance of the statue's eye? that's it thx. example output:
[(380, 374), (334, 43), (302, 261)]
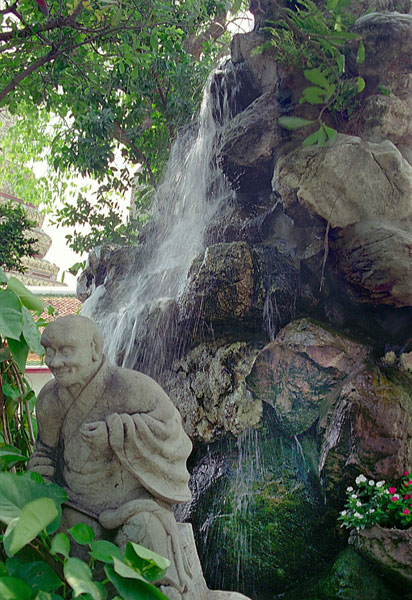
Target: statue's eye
[(67, 351), (50, 352)]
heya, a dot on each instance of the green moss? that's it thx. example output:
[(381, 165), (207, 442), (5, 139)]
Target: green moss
[(350, 578), (260, 527)]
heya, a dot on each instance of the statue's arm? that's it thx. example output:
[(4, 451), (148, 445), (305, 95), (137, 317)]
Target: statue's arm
[(43, 459)]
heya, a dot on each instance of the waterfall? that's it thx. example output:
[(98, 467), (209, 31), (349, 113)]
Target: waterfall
[(139, 323)]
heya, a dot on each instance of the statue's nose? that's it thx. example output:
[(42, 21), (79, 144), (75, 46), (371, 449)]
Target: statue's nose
[(56, 361)]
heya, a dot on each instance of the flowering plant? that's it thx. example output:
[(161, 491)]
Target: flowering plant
[(378, 503)]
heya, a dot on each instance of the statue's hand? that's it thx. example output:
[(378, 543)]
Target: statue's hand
[(95, 434)]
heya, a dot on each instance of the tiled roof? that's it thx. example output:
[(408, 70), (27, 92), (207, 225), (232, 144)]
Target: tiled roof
[(64, 303)]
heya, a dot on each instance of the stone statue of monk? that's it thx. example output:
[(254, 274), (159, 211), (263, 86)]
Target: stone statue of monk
[(114, 441)]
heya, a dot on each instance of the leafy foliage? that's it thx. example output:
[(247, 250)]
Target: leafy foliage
[(19, 333), (115, 76), (36, 560), (312, 38), (15, 242), (378, 503)]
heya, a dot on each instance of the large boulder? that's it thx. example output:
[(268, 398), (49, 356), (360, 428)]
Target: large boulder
[(248, 143), (300, 369), (347, 182), (375, 259), (208, 386), (233, 284), (367, 429)]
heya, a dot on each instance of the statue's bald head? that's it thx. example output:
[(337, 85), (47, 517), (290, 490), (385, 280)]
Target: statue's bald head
[(74, 349), (80, 328)]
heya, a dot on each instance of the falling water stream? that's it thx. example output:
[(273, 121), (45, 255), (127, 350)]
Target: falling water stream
[(191, 194)]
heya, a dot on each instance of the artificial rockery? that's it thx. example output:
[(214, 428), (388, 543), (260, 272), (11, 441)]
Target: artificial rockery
[(288, 347)]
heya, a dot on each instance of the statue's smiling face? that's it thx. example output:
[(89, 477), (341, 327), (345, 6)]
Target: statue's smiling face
[(69, 359)]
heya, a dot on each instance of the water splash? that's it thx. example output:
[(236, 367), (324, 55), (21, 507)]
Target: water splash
[(139, 323)]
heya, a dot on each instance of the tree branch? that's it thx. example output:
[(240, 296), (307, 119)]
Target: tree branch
[(120, 135)]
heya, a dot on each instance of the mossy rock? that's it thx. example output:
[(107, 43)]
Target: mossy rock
[(350, 578), (263, 518)]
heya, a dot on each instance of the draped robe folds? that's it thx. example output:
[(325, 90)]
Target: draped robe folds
[(144, 455)]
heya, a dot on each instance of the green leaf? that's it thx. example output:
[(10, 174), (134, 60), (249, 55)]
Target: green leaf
[(82, 533), (38, 574), (5, 354), (18, 490), (311, 139), (11, 319), (10, 456), (331, 133), (151, 565), (360, 84), (105, 551), (340, 59), (317, 77), (292, 123), (122, 569), (360, 55), (12, 588), (313, 95), (3, 277), (10, 391), (19, 350), (79, 577), (31, 332), (60, 545), (33, 519), (27, 297), (321, 137), (133, 589)]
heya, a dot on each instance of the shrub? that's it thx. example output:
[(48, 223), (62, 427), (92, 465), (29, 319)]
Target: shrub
[(378, 503)]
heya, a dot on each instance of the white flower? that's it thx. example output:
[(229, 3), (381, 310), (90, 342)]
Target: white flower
[(349, 489), (344, 513), (354, 496), (371, 510), (371, 482), (359, 503), (360, 479), (395, 496), (358, 515), (380, 484)]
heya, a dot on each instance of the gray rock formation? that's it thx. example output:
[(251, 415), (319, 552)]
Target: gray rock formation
[(287, 346)]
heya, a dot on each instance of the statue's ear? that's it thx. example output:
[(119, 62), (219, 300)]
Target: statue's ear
[(96, 350)]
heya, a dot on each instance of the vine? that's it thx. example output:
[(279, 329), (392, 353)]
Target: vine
[(312, 39)]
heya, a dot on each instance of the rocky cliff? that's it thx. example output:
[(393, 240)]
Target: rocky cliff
[(288, 349)]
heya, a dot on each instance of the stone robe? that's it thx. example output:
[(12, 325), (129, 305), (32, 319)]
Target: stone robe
[(138, 467)]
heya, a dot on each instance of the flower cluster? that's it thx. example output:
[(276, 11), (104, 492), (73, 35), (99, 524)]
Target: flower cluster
[(378, 503)]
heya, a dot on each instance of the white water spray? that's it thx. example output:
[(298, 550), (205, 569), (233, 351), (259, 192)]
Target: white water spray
[(187, 201)]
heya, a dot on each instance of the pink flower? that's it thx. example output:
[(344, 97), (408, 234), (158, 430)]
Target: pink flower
[(392, 490), (405, 473), (394, 498), (406, 511), (410, 482), (406, 496)]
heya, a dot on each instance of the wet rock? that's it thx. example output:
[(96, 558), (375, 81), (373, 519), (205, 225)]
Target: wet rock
[(266, 71), (389, 549), (248, 144), (367, 429), (375, 259), (233, 284), (260, 520), (351, 577), (208, 386), (300, 369), (105, 265), (387, 117), (347, 182), (388, 43)]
